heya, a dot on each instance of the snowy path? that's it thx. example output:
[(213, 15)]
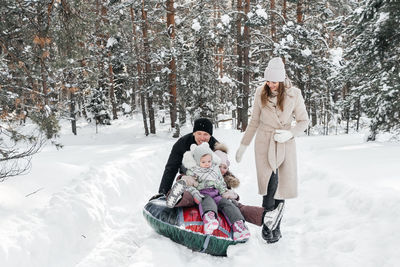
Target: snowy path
[(347, 213)]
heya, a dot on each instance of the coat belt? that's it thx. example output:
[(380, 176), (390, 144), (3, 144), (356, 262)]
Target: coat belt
[(276, 150)]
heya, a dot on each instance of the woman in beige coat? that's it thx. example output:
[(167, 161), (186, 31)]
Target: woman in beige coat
[(276, 105)]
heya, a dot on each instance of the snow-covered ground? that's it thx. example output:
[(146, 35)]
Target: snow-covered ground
[(82, 205)]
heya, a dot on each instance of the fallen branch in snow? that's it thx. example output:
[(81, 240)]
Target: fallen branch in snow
[(136, 243), (224, 120), (34, 192)]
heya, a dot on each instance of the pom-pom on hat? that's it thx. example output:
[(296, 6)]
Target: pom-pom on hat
[(200, 150), (223, 156), (204, 125), (275, 71)]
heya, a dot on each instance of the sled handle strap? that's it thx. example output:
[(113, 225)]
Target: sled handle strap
[(206, 242)]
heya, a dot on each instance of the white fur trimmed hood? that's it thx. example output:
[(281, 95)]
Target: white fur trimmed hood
[(189, 162)]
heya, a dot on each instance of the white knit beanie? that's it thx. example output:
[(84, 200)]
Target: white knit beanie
[(223, 156), (200, 150), (275, 72)]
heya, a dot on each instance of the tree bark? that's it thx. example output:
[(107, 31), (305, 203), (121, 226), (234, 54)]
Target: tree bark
[(219, 49), (72, 111), (111, 92), (44, 79), (239, 75), (299, 11), (246, 77), (314, 120), (42, 40), (135, 50), (172, 64), (146, 45), (143, 105), (345, 90), (273, 27), (358, 113), (100, 43), (221, 61), (140, 79), (284, 9)]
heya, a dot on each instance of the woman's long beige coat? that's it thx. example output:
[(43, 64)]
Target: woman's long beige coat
[(269, 154)]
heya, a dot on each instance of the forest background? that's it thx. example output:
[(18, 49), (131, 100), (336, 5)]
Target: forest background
[(175, 60)]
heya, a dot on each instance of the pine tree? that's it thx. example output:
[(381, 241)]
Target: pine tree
[(196, 46), (373, 63), (25, 83), (98, 107)]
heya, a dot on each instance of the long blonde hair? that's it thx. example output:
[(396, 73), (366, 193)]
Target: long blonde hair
[(267, 93)]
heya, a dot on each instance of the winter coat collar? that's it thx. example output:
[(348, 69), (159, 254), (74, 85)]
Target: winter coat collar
[(290, 91)]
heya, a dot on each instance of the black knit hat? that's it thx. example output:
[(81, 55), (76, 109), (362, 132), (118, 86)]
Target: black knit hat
[(204, 125)]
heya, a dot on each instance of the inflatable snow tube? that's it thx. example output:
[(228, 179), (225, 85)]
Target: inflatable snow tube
[(185, 226)]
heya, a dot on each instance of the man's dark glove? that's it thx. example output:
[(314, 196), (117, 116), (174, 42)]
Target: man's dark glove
[(157, 196)]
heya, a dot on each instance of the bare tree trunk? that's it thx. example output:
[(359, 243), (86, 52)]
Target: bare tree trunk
[(272, 19), (200, 59), (239, 76), (41, 41), (325, 116), (146, 45), (312, 104), (172, 65), (112, 93), (151, 113), (143, 105), (72, 101), (299, 11), (221, 61), (181, 113), (136, 51), (72, 110), (314, 120), (358, 113), (219, 50), (100, 43), (246, 77), (139, 73), (331, 39), (284, 9), (44, 79), (215, 18), (347, 109), (328, 110)]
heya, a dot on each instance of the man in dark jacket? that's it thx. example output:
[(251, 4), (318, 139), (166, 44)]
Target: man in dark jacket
[(202, 132)]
